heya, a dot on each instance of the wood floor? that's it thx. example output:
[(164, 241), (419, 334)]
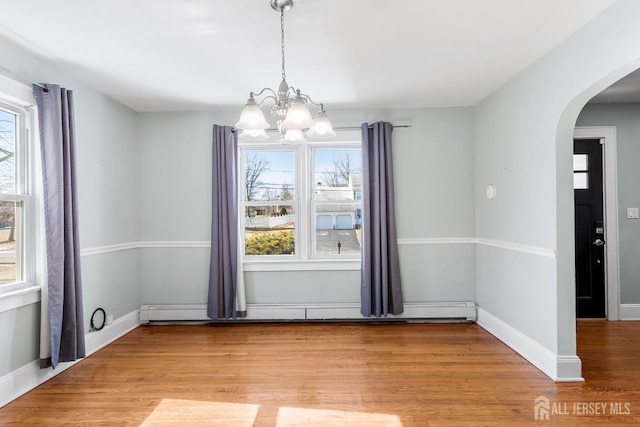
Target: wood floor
[(328, 374)]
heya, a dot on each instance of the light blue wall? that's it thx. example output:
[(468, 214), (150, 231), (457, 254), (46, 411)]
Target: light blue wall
[(107, 140), (19, 337), (107, 159), (626, 119), (523, 145), (434, 172)]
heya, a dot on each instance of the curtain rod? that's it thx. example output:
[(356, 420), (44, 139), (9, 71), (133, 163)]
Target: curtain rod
[(23, 78), (347, 128), (370, 127)]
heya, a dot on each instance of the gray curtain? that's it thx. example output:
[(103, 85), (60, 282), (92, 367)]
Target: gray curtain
[(381, 292), (223, 271), (64, 282)]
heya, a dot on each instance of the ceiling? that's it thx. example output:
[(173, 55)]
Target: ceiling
[(169, 55), (624, 90)]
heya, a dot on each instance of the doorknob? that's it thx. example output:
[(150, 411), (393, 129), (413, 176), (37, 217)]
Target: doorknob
[(599, 242)]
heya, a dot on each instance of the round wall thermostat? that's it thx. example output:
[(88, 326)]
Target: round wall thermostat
[(490, 191)]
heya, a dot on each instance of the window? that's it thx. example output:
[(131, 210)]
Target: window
[(302, 201), (580, 171), (270, 202), (17, 234), (336, 208)]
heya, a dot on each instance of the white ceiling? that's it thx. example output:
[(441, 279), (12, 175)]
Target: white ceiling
[(624, 90), (163, 55)]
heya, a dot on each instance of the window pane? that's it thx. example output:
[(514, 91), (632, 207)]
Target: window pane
[(580, 162), (269, 175), (580, 180), (10, 237), (336, 174), (338, 229), (7, 152), (270, 230)]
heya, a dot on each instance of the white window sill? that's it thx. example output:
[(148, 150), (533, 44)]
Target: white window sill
[(19, 295), (307, 265)]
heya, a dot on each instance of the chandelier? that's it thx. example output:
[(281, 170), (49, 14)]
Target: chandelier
[(289, 108)]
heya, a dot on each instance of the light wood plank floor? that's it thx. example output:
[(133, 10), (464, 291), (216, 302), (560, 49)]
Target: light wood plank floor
[(334, 374)]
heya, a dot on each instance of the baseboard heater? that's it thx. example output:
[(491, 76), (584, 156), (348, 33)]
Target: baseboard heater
[(440, 311)]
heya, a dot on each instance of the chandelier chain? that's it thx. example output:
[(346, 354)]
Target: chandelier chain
[(284, 76)]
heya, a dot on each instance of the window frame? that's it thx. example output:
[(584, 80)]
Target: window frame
[(18, 99), (304, 258)]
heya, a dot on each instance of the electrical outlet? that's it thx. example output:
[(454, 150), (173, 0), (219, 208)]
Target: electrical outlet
[(109, 319), (632, 213)]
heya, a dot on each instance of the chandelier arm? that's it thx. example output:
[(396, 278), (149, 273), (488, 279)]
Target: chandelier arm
[(263, 90), (272, 94), (261, 103), (308, 98)]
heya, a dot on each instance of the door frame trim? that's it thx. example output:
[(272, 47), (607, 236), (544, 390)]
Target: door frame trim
[(607, 137)]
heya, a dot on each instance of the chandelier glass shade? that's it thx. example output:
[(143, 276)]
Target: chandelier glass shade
[(290, 105)]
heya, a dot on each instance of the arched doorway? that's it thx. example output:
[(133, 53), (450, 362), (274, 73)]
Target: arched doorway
[(565, 197)]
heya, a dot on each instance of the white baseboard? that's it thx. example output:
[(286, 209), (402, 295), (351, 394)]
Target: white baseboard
[(560, 368), (198, 312), (629, 311), (98, 339), (30, 376), (435, 310)]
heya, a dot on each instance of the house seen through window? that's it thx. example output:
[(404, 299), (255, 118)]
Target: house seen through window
[(301, 201)]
